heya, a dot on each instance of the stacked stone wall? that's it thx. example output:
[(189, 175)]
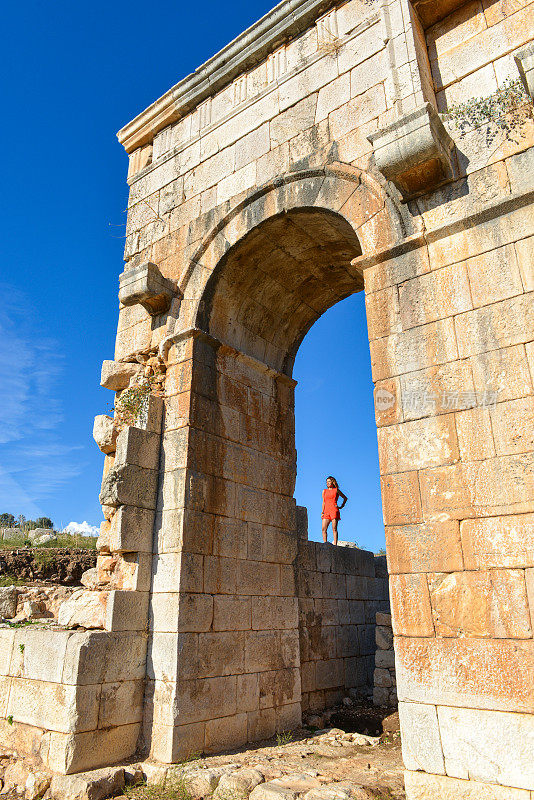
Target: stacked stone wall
[(385, 682), (340, 590)]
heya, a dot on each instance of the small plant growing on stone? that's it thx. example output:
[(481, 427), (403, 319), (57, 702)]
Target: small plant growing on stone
[(22, 648), (285, 737), (10, 719), (504, 111)]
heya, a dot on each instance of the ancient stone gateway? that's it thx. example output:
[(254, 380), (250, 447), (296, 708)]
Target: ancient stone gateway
[(308, 160)]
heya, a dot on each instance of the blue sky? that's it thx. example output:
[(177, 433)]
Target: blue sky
[(73, 75)]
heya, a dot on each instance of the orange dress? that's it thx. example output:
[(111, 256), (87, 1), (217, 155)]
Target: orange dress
[(330, 506)]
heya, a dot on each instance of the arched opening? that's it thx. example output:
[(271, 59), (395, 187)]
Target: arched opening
[(303, 632), (270, 288)]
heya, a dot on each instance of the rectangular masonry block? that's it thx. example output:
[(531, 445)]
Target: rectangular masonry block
[(138, 447), (421, 745), (414, 445), (220, 653), (489, 746), (504, 371), (232, 613), (37, 655), (489, 604), (206, 698), (401, 498), (225, 733), (131, 530), (410, 605), (95, 657), (421, 786), (274, 613), (495, 486), (79, 752), (506, 541), (494, 674), (502, 324), (121, 703), (52, 706), (427, 547), (127, 611), (130, 485)]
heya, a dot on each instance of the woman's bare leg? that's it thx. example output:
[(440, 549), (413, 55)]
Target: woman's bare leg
[(326, 523), (334, 528)]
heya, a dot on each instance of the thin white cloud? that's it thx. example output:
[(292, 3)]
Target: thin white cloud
[(35, 462), (82, 528)]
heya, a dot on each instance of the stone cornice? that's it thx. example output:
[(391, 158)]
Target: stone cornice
[(248, 49)]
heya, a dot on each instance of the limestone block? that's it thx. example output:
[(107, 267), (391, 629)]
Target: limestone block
[(422, 443), (382, 678), (224, 733), (105, 433), (116, 375), (415, 151), (427, 547), (499, 325), (238, 784), (138, 447), (490, 746), (486, 604), (121, 703), (146, 285), (401, 499), (270, 613), (525, 64), (39, 654), (415, 349), (79, 752), (96, 657), (232, 613), (126, 611), (384, 637), (421, 746), (206, 698), (421, 786), (94, 785), (496, 673), (84, 609), (220, 653), (7, 638), (129, 485), (8, 602), (498, 541), (131, 530), (513, 426), (54, 706), (410, 605)]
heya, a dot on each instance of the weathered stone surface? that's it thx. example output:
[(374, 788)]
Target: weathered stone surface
[(8, 601), (472, 673), (420, 786), (105, 433), (238, 784), (272, 791), (85, 609), (487, 604), (95, 785), (421, 745), (116, 375), (488, 746)]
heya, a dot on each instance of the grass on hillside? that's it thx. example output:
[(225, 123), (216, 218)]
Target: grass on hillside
[(73, 541)]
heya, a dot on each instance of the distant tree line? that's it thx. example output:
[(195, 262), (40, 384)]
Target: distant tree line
[(10, 521)]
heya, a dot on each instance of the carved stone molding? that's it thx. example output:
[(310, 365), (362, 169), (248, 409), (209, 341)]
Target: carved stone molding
[(414, 152), (146, 285)]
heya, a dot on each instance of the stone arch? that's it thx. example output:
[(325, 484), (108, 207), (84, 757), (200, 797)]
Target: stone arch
[(377, 218)]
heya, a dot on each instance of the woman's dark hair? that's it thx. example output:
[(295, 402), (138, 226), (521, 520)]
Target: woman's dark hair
[(331, 478)]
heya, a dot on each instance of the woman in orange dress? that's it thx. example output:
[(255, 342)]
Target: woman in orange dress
[(330, 512)]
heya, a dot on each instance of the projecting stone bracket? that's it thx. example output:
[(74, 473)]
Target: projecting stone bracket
[(525, 64), (415, 152), (146, 285)]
